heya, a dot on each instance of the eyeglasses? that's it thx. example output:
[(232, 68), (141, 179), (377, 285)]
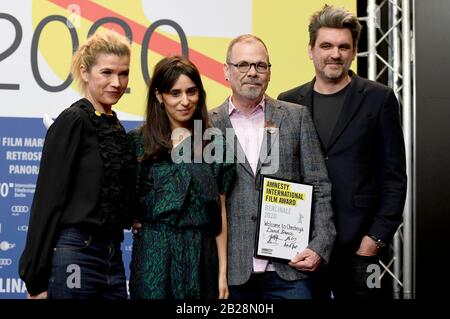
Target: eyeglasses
[(244, 67)]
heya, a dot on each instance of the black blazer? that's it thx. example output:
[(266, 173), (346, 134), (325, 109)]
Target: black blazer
[(365, 159)]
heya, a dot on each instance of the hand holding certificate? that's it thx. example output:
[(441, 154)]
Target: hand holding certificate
[(284, 221)]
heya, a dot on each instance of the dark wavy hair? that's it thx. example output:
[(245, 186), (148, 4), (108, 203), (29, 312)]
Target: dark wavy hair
[(334, 17), (156, 130)]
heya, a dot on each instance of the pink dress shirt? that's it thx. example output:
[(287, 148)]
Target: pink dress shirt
[(249, 129)]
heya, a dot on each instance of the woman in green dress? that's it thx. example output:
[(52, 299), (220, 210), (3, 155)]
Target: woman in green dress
[(180, 251)]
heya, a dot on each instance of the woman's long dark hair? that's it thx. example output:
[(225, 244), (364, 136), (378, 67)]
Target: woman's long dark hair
[(156, 130)]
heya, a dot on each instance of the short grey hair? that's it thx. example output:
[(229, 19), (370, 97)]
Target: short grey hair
[(243, 38)]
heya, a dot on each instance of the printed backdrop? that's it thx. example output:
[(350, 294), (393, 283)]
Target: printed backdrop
[(36, 44)]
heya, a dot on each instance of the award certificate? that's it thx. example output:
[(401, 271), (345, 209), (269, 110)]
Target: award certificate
[(284, 218)]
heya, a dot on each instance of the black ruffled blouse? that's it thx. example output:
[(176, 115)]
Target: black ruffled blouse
[(84, 181)]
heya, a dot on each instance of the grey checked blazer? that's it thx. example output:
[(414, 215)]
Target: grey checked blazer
[(300, 159)]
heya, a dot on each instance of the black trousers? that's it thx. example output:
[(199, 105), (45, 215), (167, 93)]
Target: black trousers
[(350, 276)]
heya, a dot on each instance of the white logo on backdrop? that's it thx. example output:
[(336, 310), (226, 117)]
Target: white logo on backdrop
[(4, 245), (5, 262), (17, 210), (12, 285), (22, 228)]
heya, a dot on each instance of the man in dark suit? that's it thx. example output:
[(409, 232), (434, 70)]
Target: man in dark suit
[(290, 130), (358, 124)]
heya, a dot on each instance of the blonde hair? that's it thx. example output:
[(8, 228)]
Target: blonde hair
[(108, 42)]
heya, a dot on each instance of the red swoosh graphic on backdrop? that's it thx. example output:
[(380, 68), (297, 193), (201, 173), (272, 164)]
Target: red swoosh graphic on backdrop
[(159, 43)]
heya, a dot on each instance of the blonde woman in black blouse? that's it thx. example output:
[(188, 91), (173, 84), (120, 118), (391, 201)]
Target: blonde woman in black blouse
[(80, 205)]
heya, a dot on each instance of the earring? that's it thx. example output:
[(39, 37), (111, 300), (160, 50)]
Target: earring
[(161, 104)]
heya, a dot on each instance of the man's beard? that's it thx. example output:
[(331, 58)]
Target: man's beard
[(252, 92)]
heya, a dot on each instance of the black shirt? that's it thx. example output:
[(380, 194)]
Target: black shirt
[(326, 110), (82, 183)]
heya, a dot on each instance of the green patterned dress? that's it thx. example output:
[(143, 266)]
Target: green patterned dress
[(175, 254)]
